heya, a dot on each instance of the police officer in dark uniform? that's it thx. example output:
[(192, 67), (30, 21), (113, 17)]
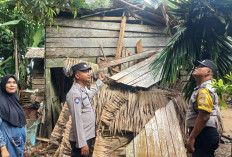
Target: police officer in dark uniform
[(203, 112), (83, 130)]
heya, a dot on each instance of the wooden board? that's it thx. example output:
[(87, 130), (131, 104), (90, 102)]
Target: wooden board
[(140, 145), (133, 68), (176, 131), (167, 133), (161, 136), (133, 76), (108, 26), (161, 127), (105, 42), (138, 75), (152, 136), (120, 38), (110, 63), (130, 149), (67, 32), (146, 80)]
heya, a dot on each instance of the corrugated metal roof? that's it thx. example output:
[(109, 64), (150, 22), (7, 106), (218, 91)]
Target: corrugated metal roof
[(138, 75), (33, 52)]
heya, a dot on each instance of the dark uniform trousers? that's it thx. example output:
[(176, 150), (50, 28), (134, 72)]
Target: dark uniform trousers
[(76, 152), (206, 142)]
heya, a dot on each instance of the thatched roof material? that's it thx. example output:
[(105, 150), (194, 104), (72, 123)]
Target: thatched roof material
[(33, 52)]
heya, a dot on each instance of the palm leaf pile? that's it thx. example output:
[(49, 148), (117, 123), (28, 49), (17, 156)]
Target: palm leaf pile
[(121, 114), (203, 32)]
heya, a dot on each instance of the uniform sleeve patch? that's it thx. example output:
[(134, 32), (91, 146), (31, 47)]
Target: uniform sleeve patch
[(204, 100), (77, 100)]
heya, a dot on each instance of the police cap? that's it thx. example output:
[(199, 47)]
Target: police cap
[(81, 67), (210, 64)]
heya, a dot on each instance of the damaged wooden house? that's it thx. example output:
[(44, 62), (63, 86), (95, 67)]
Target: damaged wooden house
[(135, 116)]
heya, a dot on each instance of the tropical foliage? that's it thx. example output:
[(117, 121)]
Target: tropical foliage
[(203, 32), (16, 26), (223, 88), (24, 21)]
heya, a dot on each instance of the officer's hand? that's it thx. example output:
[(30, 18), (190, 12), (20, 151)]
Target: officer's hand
[(85, 151), (101, 76), (190, 144), (4, 152)]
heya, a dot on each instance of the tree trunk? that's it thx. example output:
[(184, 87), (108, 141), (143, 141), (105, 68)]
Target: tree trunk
[(16, 53)]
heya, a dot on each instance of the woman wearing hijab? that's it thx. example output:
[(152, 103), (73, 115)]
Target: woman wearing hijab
[(12, 119)]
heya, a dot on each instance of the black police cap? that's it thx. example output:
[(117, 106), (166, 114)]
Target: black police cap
[(210, 64), (81, 67)]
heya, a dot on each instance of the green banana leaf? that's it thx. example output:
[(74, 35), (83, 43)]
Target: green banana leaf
[(14, 22)]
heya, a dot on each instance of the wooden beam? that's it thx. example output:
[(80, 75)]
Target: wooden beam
[(48, 103), (121, 37), (105, 64)]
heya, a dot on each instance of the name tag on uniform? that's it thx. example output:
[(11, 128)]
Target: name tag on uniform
[(84, 98), (77, 100)]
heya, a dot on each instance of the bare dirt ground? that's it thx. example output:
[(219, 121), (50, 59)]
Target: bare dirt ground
[(225, 147)]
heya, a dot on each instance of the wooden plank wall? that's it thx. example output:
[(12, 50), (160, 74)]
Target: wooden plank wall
[(79, 38), (161, 136)]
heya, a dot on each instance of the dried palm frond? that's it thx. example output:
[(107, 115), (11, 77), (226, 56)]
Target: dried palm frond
[(101, 148), (67, 69), (132, 115), (65, 147), (57, 133), (111, 107)]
